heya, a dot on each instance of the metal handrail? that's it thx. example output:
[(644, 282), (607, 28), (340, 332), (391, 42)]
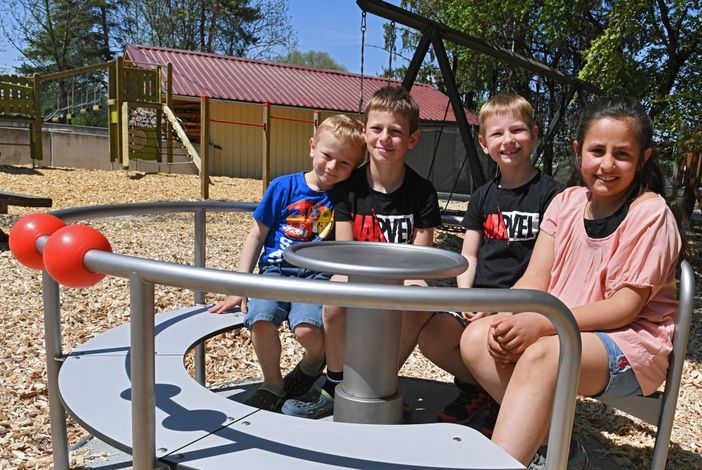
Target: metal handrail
[(144, 274)]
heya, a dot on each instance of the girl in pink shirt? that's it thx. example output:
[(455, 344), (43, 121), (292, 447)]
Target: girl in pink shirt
[(609, 250)]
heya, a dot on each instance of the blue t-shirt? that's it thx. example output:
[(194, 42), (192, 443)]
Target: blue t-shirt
[(294, 213)]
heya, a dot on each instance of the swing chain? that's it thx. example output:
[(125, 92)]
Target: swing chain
[(391, 50), (363, 47)]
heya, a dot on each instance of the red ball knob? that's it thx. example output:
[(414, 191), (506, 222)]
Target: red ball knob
[(64, 253), (24, 235)]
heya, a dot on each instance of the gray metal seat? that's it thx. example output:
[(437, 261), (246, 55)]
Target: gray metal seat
[(198, 429), (659, 409)]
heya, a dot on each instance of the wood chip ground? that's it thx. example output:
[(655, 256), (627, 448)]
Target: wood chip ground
[(25, 441)]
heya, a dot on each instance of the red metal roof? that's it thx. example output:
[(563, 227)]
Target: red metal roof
[(233, 78)]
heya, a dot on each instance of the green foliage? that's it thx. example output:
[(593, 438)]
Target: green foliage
[(316, 59), (646, 49), (245, 28)]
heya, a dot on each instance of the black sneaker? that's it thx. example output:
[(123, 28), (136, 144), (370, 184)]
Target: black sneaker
[(296, 382), (266, 399), (577, 457), (462, 409)]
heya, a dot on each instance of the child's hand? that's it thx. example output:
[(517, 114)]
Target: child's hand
[(494, 347), (472, 316), (517, 332), (228, 304)]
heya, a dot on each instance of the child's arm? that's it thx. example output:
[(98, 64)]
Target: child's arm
[(511, 334), (344, 231), (423, 237), (471, 245), (516, 333), (247, 261)]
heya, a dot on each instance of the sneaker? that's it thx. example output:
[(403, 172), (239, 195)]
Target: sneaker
[(266, 399), (296, 382), (463, 407), (485, 417), (577, 457), (316, 404)]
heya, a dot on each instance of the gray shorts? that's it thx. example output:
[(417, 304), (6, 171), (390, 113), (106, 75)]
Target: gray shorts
[(622, 381)]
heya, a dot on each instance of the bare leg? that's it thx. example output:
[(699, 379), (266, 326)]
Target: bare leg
[(531, 381), (439, 342), (334, 336), (311, 339), (412, 324), (266, 343)]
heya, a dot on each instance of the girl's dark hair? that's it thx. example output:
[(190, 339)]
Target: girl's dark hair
[(649, 176)]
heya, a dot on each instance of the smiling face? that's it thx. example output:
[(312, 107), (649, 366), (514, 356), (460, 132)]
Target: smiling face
[(388, 136), (333, 160), (609, 158), (508, 139)]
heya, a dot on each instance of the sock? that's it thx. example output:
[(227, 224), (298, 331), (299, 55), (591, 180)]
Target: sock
[(275, 389), (333, 379), (311, 370)]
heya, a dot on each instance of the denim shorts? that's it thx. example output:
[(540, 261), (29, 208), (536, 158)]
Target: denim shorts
[(622, 381), (277, 311)]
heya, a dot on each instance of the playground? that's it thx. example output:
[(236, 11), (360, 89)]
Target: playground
[(24, 418)]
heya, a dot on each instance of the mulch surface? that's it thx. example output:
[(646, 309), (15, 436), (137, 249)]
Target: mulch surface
[(24, 415)]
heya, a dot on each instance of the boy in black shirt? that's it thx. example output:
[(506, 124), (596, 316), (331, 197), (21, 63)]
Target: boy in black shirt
[(383, 201), (502, 223)]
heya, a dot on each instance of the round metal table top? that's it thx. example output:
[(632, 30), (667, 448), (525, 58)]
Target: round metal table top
[(378, 260)]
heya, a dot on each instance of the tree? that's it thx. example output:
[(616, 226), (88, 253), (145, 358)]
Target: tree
[(646, 49), (245, 28), (316, 59), (58, 35)]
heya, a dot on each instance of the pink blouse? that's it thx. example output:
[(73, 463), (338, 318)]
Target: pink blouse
[(642, 252)]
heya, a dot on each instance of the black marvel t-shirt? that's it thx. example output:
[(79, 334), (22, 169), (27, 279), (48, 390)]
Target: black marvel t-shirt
[(509, 220), (380, 217)]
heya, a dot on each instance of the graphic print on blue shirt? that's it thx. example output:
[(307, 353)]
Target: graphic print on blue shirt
[(306, 221), (294, 213)]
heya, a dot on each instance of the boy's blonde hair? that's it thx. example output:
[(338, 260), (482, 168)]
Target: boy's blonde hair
[(506, 103), (397, 100), (344, 128)]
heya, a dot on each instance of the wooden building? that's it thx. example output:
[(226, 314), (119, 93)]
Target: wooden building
[(240, 89)]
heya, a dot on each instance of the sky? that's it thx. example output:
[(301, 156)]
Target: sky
[(332, 26)]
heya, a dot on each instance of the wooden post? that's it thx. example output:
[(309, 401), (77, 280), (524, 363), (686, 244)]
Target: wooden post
[(113, 111), (266, 168), (315, 125), (158, 136), (124, 128), (122, 136), (204, 147), (169, 103), (37, 152)]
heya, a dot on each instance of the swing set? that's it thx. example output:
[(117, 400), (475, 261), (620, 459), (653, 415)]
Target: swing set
[(434, 34)]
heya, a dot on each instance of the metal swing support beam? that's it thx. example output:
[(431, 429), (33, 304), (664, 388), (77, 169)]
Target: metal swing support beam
[(435, 33)]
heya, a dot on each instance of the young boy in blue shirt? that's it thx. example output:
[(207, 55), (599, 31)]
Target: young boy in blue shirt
[(383, 201), (295, 208)]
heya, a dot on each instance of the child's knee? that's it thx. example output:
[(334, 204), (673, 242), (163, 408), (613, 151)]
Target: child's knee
[(263, 327), (473, 341), (333, 316), (306, 333), (542, 353)]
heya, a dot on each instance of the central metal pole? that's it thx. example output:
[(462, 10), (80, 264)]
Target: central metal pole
[(369, 392), (141, 298)]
